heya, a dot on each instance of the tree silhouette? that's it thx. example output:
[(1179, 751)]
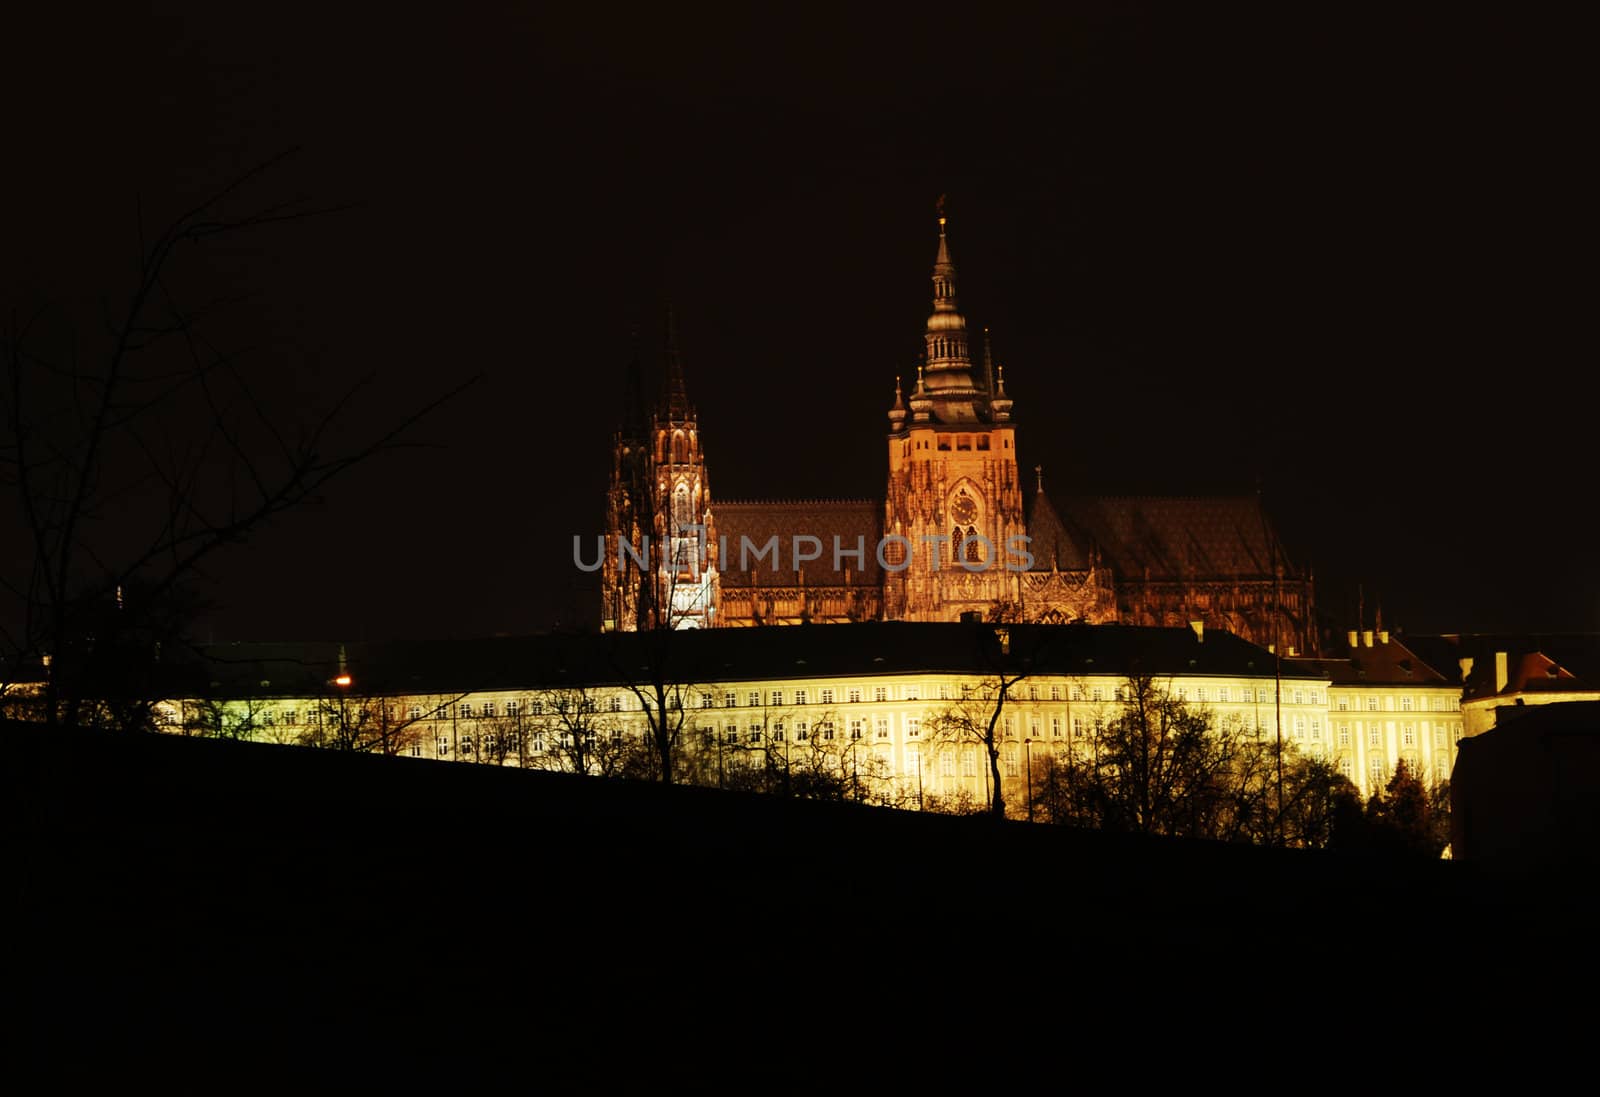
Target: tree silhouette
[(132, 465)]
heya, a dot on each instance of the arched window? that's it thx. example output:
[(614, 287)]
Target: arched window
[(682, 510), (680, 448), (974, 548), (955, 545)]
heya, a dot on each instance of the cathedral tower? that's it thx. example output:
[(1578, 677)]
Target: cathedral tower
[(659, 568), (953, 517)]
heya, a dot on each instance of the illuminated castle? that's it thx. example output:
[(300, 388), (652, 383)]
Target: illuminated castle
[(953, 536)]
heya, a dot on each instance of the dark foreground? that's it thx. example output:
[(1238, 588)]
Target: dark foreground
[(187, 903)]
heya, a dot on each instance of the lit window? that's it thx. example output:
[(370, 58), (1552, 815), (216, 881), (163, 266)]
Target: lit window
[(466, 744), (1222, 693), (913, 727), (1011, 761), (969, 762), (1200, 693), (799, 696), (290, 717), (465, 711), (913, 762), (947, 763), (1099, 694), (777, 697), (1375, 768), (1077, 727), (1438, 736), (1316, 728), (1055, 693), (827, 729), (755, 698), (415, 713), (1346, 768), (1299, 727), (706, 699), (488, 710), (1405, 704), (855, 727), (1055, 727), (1408, 735), (1299, 696), (881, 726), (616, 703), (1344, 735), (1077, 693), (1374, 735), (755, 733), (913, 693), (1344, 704), (444, 747), (880, 693), (1372, 704), (730, 699), (801, 731), (1183, 693)]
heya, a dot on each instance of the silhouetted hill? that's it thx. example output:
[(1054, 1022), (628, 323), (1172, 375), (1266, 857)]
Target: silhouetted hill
[(186, 897)]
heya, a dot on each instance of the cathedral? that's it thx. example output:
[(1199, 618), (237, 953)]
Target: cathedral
[(960, 531)]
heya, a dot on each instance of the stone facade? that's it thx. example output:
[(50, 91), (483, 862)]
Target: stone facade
[(952, 536)]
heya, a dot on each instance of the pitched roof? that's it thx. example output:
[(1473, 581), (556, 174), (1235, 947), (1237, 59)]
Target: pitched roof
[(443, 667), (1175, 539), (1386, 664), (1049, 540), (846, 523)]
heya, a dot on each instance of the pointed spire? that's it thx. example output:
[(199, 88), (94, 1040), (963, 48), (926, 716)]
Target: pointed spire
[(988, 361), (1001, 389), (942, 260), (897, 414), (899, 400), (674, 394), (1038, 472), (920, 387)]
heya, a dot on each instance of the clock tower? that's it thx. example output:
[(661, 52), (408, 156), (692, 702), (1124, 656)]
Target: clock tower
[(954, 539)]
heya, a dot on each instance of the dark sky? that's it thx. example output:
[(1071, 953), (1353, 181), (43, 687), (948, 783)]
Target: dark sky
[(1330, 251)]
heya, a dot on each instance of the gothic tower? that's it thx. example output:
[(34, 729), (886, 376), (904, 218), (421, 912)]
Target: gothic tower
[(659, 560), (953, 517)]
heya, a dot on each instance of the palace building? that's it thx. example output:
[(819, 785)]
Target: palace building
[(960, 531)]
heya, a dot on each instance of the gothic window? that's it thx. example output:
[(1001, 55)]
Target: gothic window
[(680, 448), (955, 544), (682, 511), (974, 550), (983, 441)]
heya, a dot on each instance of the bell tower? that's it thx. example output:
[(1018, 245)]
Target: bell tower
[(660, 566), (954, 538)]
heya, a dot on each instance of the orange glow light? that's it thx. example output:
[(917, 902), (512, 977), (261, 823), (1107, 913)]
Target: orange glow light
[(342, 680)]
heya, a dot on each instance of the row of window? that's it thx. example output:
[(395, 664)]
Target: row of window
[(1440, 703)]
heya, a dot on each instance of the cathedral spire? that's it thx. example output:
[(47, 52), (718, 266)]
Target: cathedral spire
[(988, 361), (949, 362), (674, 394)]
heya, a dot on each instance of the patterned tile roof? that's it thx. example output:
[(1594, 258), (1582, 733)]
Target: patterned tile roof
[(1176, 539), (849, 523)]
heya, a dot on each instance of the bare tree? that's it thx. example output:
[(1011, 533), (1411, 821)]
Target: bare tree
[(132, 466), (977, 718)]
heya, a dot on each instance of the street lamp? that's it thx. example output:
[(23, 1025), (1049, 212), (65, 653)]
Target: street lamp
[(1027, 753)]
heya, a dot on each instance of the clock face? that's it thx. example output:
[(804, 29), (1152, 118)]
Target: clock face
[(963, 509)]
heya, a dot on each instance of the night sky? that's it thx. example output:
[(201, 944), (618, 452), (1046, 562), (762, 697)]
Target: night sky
[(1330, 252)]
